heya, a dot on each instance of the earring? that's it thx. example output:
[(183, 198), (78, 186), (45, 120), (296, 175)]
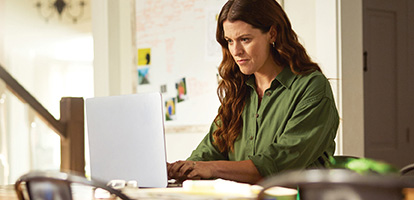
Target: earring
[(274, 44)]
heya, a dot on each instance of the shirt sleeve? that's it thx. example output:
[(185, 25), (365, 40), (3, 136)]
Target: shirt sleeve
[(206, 150), (308, 133)]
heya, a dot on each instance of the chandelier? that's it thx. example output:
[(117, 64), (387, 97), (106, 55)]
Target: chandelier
[(72, 9)]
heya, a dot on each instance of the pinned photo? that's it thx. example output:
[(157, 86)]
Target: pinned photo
[(181, 90), (143, 77), (170, 109)]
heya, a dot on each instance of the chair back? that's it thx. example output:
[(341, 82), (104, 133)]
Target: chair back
[(328, 184), (407, 170), (56, 185)]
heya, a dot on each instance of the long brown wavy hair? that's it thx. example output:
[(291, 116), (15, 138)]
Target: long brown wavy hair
[(232, 91)]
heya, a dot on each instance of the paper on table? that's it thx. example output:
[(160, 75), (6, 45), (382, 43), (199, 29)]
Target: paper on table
[(218, 186), (198, 189), (205, 189)]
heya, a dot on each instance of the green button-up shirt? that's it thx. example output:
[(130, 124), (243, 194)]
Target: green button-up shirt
[(293, 128)]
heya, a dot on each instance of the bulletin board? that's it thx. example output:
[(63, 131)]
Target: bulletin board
[(177, 55)]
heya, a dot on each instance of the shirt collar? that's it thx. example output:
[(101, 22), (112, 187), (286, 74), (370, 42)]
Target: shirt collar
[(285, 78)]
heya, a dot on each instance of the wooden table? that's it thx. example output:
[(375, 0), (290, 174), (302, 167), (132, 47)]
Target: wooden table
[(7, 193), (86, 193)]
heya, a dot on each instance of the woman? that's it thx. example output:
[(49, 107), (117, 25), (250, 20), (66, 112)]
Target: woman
[(277, 109)]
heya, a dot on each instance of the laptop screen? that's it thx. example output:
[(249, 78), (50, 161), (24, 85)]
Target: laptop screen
[(126, 139)]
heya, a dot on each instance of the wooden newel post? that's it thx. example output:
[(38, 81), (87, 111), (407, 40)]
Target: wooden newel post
[(73, 144)]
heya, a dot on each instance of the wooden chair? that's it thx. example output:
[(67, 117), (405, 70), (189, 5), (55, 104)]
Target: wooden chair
[(56, 185), (327, 184), (407, 170)]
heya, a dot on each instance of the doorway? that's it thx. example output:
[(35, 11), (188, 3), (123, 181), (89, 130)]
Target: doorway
[(388, 86)]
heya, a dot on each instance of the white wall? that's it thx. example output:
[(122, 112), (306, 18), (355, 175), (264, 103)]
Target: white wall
[(302, 15), (3, 150), (2, 24), (351, 51), (114, 47)]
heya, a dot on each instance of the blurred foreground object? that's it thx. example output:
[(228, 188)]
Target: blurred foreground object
[(407, 170), (362, 165), (59, 185), (328, 184)]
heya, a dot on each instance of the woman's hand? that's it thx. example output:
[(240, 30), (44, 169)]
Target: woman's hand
[(182, 170), (241, 171)]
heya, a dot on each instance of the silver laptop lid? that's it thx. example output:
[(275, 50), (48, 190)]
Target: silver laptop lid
[(126, 138)]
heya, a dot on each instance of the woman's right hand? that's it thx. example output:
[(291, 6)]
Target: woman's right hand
[(181, 169)]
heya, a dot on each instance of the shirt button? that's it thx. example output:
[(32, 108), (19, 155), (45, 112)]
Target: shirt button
[(257, 115), (251, 137), (268, 93)]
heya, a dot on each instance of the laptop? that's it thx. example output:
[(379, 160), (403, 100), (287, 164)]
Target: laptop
[(126, 139)]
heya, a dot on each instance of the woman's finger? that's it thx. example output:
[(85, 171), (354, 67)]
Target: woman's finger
[(187, 168), (175, 169)]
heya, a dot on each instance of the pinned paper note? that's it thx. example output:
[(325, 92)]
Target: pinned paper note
[(144, 56)]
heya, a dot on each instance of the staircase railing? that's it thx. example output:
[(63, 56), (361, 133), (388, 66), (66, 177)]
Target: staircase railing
[(70, 126)]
